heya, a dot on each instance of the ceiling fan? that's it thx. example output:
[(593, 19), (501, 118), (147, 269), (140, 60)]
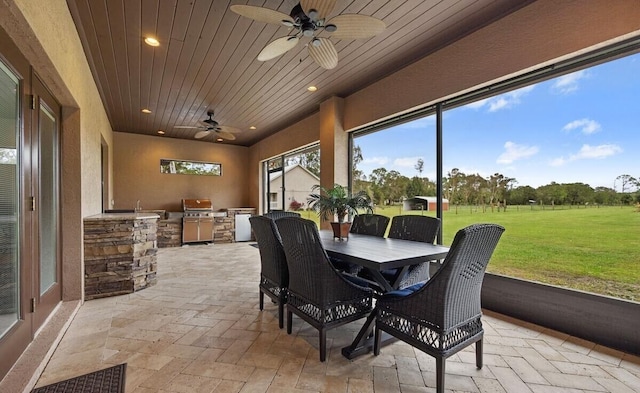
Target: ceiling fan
[(305, 20), (211, 126)]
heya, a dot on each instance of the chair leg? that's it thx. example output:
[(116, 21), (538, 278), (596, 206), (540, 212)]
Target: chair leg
[(281, 313), (261, 300), (323, 344), (377, 341), (440, 374), (479, 354), (289, 321)]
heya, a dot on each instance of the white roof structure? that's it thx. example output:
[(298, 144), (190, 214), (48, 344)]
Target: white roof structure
[(422, 203), (288, 168)]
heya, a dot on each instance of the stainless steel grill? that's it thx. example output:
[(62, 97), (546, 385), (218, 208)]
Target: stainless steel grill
[(197, 223)]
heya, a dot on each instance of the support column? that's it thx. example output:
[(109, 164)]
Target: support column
[(334, 146), (71, 206)]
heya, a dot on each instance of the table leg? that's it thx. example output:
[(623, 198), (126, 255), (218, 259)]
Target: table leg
[(380, 280), (363, 343)]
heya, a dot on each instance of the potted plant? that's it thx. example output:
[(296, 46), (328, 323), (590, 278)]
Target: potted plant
[(338, 202)]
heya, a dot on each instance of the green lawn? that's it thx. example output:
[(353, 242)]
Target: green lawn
[(591, 249)]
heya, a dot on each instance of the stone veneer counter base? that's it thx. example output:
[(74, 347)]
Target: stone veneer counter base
[(119, 253)]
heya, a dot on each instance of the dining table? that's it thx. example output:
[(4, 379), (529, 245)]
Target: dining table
[(376, 254)]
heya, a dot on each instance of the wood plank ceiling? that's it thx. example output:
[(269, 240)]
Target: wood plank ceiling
[(207, 59)]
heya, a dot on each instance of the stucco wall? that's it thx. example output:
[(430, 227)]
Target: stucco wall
[(136, 165)]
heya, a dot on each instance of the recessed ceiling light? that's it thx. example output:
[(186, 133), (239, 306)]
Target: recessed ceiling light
[(160, 132), (312, 88), (219, 139), (252, 127), (151, 41), (145, 110)]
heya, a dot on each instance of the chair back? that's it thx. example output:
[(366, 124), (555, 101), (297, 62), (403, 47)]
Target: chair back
[(454, 290), (310, 272), (416, 228), (370, 224), (272, 258), (276, 214)]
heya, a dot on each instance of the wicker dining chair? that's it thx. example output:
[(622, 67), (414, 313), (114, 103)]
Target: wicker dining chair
[(274, 273), (443, 316), (318, 293), (415, 228), (276, 214), (363, 224), (369, 224)]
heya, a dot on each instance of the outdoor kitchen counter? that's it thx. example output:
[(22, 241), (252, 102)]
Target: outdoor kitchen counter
[(119, 253), (122, 216)]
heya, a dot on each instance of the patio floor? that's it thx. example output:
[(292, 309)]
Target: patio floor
[(200, 330)]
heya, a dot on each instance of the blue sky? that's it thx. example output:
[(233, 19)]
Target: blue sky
[(580, 127)]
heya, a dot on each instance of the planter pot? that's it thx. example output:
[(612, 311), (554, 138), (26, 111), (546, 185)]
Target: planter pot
[(341, 230)]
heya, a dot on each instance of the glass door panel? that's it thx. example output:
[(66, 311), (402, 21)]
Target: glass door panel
[(48, 198), (45, 205), (9, 200)]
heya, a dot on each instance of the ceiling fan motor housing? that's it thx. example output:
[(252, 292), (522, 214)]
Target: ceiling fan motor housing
[(210, 122), (307, 24)]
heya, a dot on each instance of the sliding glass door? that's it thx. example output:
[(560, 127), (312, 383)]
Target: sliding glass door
[(30, 273), (9, 199), (289, 179)]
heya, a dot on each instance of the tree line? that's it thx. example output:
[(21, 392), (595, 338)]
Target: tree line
[(386, 187), (459, 188)]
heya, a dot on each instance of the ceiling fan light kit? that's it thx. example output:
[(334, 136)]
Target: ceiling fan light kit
[(307, 18)]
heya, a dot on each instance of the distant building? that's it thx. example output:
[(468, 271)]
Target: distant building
[(426, 203), (298, 183)]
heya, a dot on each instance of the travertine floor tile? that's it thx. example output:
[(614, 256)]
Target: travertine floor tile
[(200, 330)]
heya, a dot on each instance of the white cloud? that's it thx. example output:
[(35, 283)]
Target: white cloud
[(588, 152), (499, 103), (515, 152), (586, 126), (568, 83), (375, 160), (406, 161), (503, 101), (598, 152)]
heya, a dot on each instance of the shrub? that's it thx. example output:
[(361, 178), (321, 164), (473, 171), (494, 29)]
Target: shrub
[(295, 205)]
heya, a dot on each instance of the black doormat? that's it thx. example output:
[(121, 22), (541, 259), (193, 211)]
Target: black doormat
[(108, 380)]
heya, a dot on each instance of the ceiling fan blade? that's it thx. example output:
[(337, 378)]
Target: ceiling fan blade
[(187, 127), (225, 135), (229, 129), (278, 47), (324, 54), (354, 26), (323, 7), (261, 14), (202, 134)]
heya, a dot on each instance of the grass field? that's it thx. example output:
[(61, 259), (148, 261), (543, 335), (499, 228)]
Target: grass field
[(590, 249)]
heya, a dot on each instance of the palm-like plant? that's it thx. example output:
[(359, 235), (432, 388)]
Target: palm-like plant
[(337, 201)]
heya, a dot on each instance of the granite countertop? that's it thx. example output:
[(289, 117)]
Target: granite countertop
[(122, 216)]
